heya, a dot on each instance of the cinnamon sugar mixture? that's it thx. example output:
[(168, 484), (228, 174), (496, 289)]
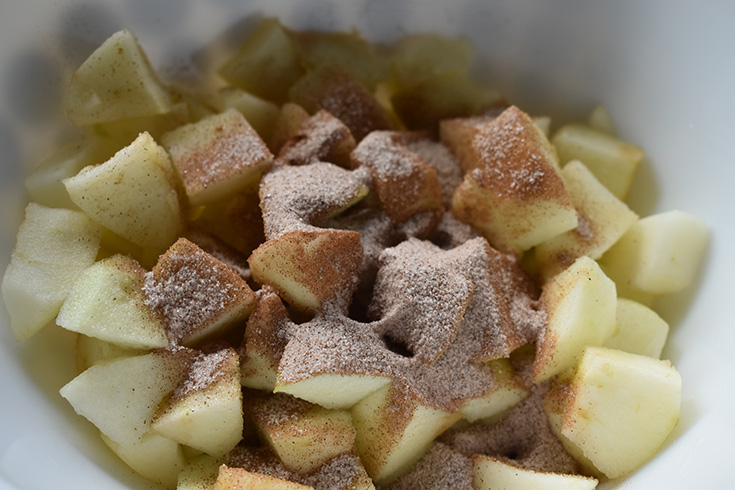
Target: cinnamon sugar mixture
[(427, 315)]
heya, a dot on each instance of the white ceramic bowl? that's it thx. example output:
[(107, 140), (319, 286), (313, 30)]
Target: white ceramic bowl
[(663, 68)]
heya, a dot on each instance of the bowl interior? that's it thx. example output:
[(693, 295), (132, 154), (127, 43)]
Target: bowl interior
[(657, 66)]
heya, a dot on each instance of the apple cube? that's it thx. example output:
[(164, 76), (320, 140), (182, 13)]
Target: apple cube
[(602, 219), (625, 290), (452, 94), (91, 351), (289, 121), (107, 302), (544, 124), (303, 435), (491, 473), (197, 294), (266, 64), (580, 304), (237, 221), (264, 341), (600, 120), (506, 392), (217, 156), (200, 473), (418, 57), (121, 396), (394, 429), (95, 96), (154, 457), (332, 88), (300, 198), (458, 132), (333, 391), (261, 114), (446, 165), (240, 479), (515, 195), (321, 138), (404, 182), (205, 411), (133, 194), (616, 410), (612, 161), (348, 49), (342, 472), (124, 131), (638, 330), (45, 185), (220, 250), (310, 268), (659, 254), (53, 247)]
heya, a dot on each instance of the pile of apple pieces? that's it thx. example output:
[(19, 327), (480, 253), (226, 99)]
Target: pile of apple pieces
[(174, 414)]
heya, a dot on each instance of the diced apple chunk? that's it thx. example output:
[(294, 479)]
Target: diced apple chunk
[(45, 185), (336, 90), (154, 457), (133, 194), (452, 94), (342, 472), (237, 221), (321, 138), (580, 303), (600, 120), (617, 409), (107, 302), (394, 430), (290, 119), (347, 49), (266, 64), (260, 113), (197, 294), (602, 220), (217, 156), (639, 330), (121, 397), (458, 133), (91, 351), (205, 411), (240, 479), (53, 247), (660, 254), (419, 57), (335, 391), (126, 130), (544, 124), (612, 161), (295, 265), (200, 473), (264, 341), (506, 391), (95, 95), (303, 435), (404, 182), (491, 474), (299, 198), (515, 195)]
